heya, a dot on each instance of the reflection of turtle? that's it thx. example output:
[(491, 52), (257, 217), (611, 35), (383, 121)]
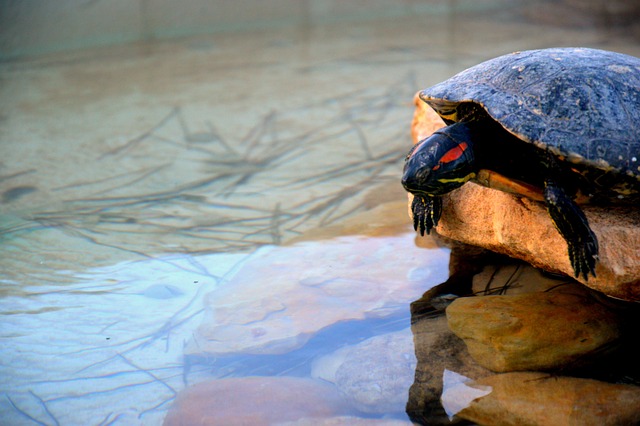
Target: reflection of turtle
[(557, 125)]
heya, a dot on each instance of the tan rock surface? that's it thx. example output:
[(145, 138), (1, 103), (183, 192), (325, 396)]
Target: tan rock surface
[(535, 331), (529, 398), (521, 228), (254, 401), (425, 120), (345, 421)]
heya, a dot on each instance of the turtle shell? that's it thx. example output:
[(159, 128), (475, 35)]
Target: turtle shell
[(579, 103)]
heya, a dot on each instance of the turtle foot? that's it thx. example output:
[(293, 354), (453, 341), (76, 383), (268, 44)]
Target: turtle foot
[(426, 213), (583, 256), (572, 224)]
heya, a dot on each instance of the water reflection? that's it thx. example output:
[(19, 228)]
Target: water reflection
[(110, 346), (299, 301), (536, 340)]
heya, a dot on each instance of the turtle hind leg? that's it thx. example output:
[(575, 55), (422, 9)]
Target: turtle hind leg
[(426, 212), (572, 224)]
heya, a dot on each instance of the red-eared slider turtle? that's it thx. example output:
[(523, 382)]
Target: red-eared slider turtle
[(559, 125)]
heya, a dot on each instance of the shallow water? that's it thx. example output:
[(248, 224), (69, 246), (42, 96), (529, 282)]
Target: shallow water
[(137, 181)]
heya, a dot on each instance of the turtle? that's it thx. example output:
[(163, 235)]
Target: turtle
[(560, 126)]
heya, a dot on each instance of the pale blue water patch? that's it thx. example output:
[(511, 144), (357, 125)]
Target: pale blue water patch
[(109, 346), (105, 345)]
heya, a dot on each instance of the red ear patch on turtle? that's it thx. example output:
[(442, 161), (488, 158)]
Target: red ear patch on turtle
[(452, 155)]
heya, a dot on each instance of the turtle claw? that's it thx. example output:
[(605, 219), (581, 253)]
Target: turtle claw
[(426, 213), (572, 224), (583, 256)]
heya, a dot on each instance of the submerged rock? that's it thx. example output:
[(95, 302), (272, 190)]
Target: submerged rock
[(535, 331), (255, 401), (374, 376), (521, 228), (162, 291), (529, 398), (346, 421), (283, 295)]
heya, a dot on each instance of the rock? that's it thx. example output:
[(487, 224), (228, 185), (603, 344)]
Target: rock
[(514, 277), (457, 394), (283, 295), (162, 291), (425, 120), (465, 262), (437, 349), (255, 401), (376, 374), (346, 421), (535, 331), (529, 398), (521, 228), (326, 366)]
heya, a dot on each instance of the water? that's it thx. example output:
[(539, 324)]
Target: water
[(246, 182)]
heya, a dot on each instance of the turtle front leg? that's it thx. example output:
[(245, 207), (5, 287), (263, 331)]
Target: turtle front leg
[(572, 224), (426, 212)]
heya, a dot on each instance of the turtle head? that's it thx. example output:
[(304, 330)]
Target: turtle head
[(440, 163)]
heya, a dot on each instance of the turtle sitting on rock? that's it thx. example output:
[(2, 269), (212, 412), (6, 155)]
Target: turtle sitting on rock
[(558, 125)]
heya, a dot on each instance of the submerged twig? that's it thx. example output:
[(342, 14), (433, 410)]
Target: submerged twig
[(148, 373), (132, 143), (24, 413), (46, 409)]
